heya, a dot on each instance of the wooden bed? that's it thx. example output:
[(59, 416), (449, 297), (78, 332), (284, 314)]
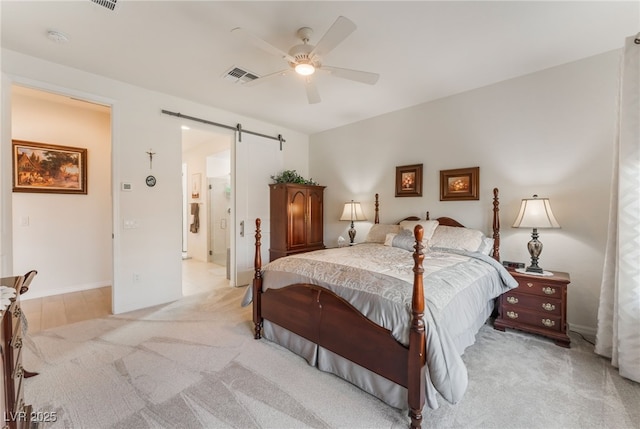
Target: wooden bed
[(322, 317)]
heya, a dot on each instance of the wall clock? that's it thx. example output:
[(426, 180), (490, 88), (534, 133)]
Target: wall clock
[(151, 181)]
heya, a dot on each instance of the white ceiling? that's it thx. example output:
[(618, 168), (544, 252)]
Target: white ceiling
[(423, 50)]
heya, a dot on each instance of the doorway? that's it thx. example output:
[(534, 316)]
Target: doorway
[(252, 162), (206, 189), (66, 238)]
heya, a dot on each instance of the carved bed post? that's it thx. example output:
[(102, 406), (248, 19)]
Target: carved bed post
[(377, 209), (496, 225), (257, 284), (417, 340)]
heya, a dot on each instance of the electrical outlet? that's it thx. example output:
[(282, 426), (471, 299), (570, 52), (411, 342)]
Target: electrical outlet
[(136, 277)]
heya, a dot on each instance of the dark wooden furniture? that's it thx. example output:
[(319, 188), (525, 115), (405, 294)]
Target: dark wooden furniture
[(326, 319), (15, 412), (296, 219), (538, 305)]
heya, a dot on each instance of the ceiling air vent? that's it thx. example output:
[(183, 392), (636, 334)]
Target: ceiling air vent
[(239, 75), (109, 4)]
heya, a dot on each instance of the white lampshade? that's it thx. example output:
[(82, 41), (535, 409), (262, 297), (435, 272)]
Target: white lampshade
[(352, 211), (535, 213)]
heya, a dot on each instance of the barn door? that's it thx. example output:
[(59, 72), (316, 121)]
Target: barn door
[(256, 159)]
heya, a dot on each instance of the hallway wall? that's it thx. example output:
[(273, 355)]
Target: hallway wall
[(66, 237)]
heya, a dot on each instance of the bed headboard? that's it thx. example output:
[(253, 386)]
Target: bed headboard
[(447, 221)]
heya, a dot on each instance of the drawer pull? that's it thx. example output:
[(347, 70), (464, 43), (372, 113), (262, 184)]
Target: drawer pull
[(512, 314), (16, 343), (19, 371), (548, 290), (529, 284), (548, 323), (549, 307), (512, 300)]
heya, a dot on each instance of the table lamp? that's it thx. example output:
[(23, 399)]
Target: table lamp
[(352, 212), (535, 213)]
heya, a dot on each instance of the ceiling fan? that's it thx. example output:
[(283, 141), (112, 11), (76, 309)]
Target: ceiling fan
[(306, 59)]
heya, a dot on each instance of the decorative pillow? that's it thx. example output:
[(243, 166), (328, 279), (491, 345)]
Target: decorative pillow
[(451, 237), (403, 240), (428, 226), (378, 232), (487, 246)]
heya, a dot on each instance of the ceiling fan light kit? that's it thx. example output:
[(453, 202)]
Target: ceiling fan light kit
[(305, 69), (305, 59)]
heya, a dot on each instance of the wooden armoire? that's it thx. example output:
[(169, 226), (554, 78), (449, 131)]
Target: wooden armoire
[(296, 219)]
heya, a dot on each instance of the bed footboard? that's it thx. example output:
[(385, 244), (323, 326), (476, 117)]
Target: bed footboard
[(321, 316)]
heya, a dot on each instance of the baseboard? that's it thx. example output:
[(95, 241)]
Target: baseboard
[(587, 331), (35, 293)]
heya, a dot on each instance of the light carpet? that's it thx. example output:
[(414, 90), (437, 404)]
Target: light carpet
[(194, 364)]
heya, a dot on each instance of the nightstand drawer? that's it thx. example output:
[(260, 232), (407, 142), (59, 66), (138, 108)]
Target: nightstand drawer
[(540, 320), (543, 304), (538, 305), (539, 287)]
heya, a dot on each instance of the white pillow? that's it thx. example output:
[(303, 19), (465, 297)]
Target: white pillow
[(428, 227), (403, 240), (457, 238), (378, 232), (487, 246)]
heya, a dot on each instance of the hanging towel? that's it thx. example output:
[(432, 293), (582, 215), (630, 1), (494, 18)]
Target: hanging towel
[(195, 218)]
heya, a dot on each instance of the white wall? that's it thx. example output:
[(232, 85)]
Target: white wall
[(548, 133), (150, 253), (66, 237)]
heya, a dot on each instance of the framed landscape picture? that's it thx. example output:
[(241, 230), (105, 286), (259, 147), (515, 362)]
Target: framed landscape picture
[(409, 180), (47, 168), (460, 184)]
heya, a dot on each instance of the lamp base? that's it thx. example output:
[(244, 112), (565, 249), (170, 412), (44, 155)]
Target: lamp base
[(352, 234), (535, 248), (535, 269)]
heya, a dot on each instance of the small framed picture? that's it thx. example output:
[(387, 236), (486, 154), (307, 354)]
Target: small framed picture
[(47, 168), (409, 180), (196, 183), (460, 184)]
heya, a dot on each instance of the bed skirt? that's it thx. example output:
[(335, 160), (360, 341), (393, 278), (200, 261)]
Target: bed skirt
[(374, 384)]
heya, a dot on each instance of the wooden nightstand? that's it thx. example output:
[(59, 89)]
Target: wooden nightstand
[(538, 305)]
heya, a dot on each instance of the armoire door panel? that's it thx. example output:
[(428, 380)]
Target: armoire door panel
[(315, 224), (297, 218)]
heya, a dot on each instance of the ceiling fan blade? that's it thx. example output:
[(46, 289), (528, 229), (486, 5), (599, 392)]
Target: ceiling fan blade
[(268, 77), (312, 91), (356, 75), (265, 46), (334, 36)]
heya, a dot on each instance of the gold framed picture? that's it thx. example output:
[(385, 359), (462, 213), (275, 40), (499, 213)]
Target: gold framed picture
[(460, 184), (47, 168), (409, 180)]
